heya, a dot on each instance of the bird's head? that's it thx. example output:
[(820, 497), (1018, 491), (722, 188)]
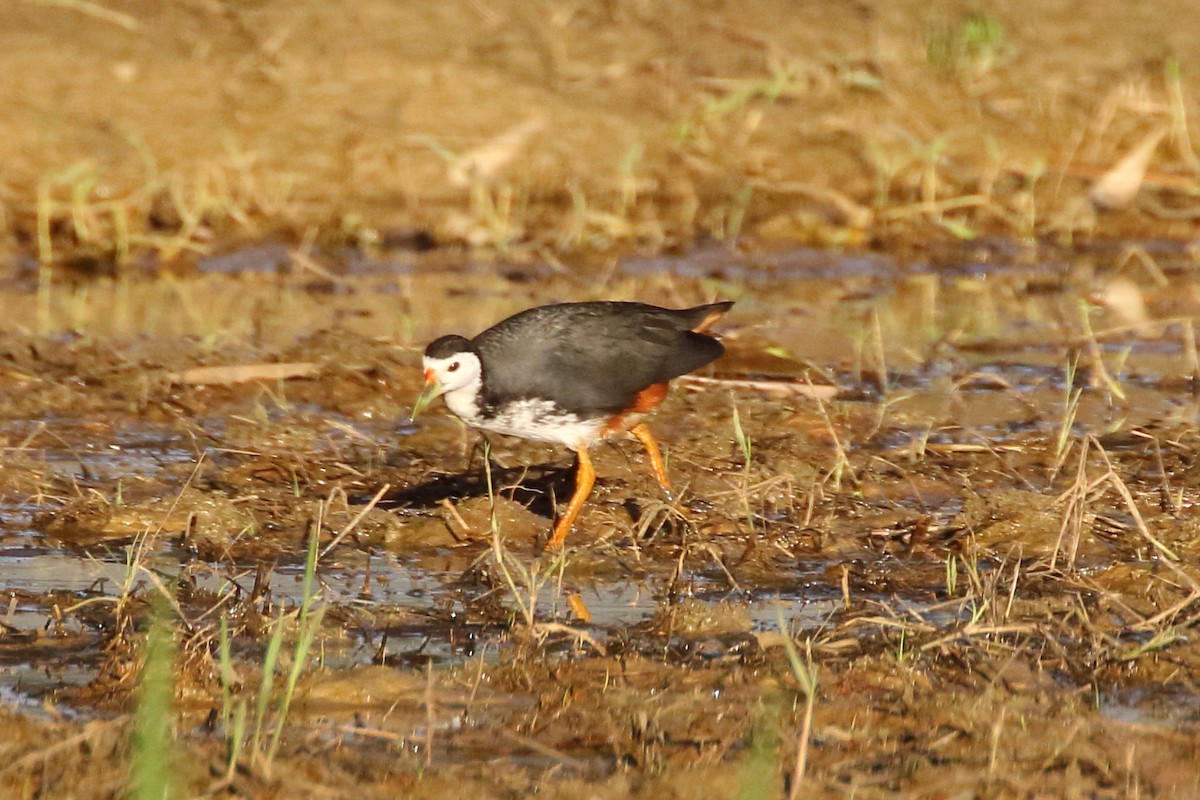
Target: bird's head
[(451, 363)]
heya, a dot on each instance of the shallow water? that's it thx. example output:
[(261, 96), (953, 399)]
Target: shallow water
[(962, 398)]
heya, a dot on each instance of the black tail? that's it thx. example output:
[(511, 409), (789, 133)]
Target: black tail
[(698, 347)]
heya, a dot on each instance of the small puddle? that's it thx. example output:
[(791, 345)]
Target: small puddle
[(1171, 711)]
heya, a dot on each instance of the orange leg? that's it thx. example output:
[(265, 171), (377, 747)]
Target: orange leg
[(656, 460), (578, 607), (585, 478)]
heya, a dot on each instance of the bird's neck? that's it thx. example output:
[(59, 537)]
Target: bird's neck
[(464, 402)]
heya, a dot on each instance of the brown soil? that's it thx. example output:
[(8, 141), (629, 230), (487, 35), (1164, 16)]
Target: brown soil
[(984, 608), (151, 128)]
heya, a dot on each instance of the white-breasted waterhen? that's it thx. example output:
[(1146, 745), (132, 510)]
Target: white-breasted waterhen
[(572, 374)]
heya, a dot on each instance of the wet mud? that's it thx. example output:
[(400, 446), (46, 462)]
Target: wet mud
[(957, 501)]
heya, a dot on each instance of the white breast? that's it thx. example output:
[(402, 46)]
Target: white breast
[(538, 420)]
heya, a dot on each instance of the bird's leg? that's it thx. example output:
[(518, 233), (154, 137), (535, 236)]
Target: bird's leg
[(656, 460), (585, 478)]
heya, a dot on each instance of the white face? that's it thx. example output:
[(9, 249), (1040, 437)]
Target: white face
[(455, 372)]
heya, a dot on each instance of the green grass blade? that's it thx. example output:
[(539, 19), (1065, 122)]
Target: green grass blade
[(153, 741)]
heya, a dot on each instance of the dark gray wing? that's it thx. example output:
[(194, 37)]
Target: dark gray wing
[(594, 357)]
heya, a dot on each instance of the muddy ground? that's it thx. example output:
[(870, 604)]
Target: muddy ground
[(934, 533)]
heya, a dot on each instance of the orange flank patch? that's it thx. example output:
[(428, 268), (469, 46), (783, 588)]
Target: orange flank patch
[(646, 401), (649, 399)]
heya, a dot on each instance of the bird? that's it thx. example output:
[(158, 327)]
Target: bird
[(572, 374)]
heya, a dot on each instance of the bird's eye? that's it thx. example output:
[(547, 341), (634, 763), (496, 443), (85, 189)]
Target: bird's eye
[(453, 367)]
